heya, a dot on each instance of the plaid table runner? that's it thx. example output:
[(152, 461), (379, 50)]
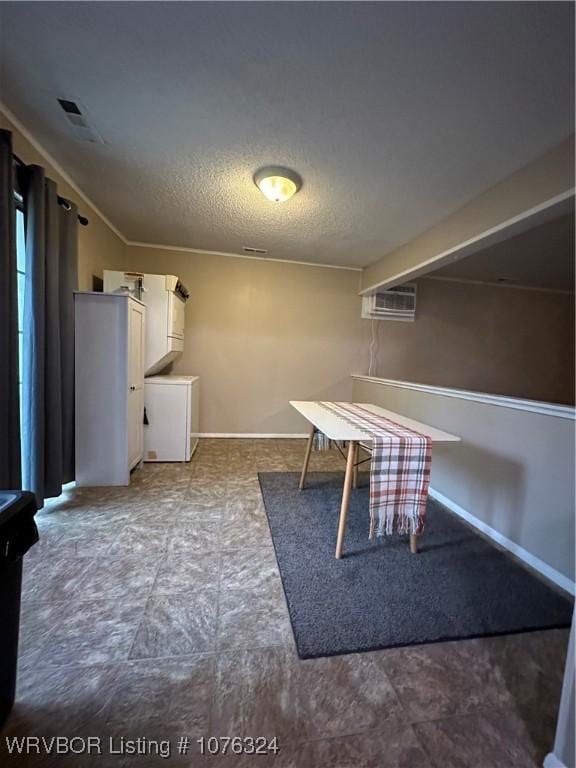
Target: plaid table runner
[(399, 472)]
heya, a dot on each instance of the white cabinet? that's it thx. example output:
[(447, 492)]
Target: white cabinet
[(165, 299), (109, 366)]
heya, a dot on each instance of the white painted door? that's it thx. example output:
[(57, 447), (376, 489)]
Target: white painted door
[(135, 382), (176, 307)]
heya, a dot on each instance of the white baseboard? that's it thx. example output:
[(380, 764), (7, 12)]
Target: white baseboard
[(522, 554), (551, 761), (254, 435)]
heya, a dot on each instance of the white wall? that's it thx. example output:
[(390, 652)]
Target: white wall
[(513, 470), (260, 333)]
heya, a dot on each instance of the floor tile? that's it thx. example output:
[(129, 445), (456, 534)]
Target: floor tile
[(248, 568), (200, 536), (192, 510), (65, 700), (247, 506), (119, 576), (434, 681), (154, 506), (103, 516), (177, 625), (547, 648), (272, 693), (83, 633), (141, 537), (272, 754), (78, 540), (187, 572), (239, 531), (479, 740), (253, 618), (53, 578), (394, 748), (528, 670), (156, 514), (204, 489), (162, 698), (56, 702)]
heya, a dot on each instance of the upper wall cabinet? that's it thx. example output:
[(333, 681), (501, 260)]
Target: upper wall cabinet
[(165, 299)]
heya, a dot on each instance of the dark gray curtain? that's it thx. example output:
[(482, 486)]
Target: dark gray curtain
[(9, 395), (48, 380)]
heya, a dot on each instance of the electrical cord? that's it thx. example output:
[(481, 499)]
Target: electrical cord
[(373, 346)]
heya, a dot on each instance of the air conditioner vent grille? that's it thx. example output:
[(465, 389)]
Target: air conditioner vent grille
[(76, 115), (397, 303), (70, 107)]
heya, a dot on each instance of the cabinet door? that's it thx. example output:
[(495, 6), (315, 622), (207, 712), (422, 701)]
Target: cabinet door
[(135, 383), (176, 316), (135, 346)]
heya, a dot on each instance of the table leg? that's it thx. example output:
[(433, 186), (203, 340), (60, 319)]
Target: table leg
[(345, 497), (307, 456), (413, 543), (356, 460)]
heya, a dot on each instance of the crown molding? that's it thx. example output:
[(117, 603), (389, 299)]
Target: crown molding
[(58, 168), (201, 251), (135, 243)]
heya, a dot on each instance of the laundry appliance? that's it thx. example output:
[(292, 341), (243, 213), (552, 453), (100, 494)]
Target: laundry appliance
[(171, 425)]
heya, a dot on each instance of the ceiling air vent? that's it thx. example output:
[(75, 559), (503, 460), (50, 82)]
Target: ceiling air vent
[(257, 251), (397, 303), (70, 107), (78, 119)]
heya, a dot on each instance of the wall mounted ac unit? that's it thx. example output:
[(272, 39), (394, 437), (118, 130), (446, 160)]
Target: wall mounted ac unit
[(397, 303)]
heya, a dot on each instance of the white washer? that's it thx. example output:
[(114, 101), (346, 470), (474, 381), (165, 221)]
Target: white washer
[(172, 411)]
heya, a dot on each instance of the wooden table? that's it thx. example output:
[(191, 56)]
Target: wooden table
[(337, 428)]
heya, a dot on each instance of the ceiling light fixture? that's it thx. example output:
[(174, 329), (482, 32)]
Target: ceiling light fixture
[(276, 183)]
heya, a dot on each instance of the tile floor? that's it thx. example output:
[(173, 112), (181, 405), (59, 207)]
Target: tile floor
[(157, 611)]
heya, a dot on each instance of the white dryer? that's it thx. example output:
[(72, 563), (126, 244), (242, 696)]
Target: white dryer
[(171, 426)]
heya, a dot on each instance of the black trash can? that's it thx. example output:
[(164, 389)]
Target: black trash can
[(18, 533)]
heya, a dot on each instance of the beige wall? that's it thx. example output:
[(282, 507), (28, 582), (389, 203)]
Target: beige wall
[(513, 470), (499, 340), (97, 243), (548, 176), (261, 333)]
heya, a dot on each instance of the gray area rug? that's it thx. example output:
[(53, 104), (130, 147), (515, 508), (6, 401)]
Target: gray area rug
[(379, 595)]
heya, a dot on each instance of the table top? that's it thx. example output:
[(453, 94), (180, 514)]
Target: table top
[(337, 428)]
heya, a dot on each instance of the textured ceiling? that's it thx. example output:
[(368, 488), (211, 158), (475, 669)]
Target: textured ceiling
[(542, 257), (394, 114)]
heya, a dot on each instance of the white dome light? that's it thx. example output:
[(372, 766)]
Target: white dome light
[(277, 184)]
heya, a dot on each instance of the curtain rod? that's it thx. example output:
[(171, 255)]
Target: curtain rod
[(61, 200)]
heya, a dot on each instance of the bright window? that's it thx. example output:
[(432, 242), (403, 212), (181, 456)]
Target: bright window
[(21, 268)]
